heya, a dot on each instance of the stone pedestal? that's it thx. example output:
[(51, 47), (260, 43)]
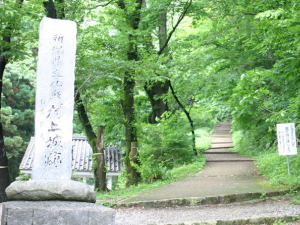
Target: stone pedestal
[(2, 210), (45, 190), (57, 213)]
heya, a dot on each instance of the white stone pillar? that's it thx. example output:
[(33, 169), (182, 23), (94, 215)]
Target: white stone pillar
[(54, 100), (52, 167)]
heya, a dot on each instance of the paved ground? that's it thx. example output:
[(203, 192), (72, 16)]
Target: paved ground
[(268, 212), (226, 173), (228, 177)]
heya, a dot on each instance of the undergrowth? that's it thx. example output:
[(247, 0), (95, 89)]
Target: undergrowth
[(203, 140), (120, 193), (270, 164)]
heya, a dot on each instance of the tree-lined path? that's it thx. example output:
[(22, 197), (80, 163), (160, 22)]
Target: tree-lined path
[(226, 173), (228, 177)]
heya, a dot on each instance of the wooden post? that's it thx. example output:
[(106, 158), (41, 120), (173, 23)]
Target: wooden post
[(100, 176)]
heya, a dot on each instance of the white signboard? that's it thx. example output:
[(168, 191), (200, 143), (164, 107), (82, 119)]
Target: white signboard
[(286, 135)]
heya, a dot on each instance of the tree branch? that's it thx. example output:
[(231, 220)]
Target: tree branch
[(187, 115), (100, 5), (91, 76), (187, 6)]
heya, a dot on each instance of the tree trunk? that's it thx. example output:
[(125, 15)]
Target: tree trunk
[(100, 172), (84, 119), (4, 173), (50, 9), (158, 89), (95, 142), (155, 91), (131, 158)]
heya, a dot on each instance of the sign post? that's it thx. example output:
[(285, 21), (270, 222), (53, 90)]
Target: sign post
[(287, 144)]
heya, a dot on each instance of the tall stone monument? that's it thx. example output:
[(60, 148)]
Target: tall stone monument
[(51, 173), (54, 100)]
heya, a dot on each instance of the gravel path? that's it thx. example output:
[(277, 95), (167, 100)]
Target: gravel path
[(212, 213)]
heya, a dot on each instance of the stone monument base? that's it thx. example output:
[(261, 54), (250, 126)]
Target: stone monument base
[(57, 213), (45, 190)]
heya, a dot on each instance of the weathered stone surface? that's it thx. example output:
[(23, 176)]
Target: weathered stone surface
[(19, 216), (2, 211), (45, 216), (43, 190), (106, 217), (58, 213), (54, 100), (75, 216)]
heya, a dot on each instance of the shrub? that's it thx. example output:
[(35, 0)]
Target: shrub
[(163, 146)]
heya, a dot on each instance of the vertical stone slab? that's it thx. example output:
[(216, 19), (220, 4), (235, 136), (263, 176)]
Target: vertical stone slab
[(2, 214), (54, 100)]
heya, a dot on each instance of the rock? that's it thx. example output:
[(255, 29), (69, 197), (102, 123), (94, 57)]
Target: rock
[(44, 190), (58, 213)]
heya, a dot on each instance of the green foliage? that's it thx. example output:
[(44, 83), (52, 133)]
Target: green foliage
[(203, 140), (228, 60), (17, 115), (24, 176), (175, 174), (275, 167), (163, 146)]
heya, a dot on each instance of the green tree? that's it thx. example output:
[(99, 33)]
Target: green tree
[(132, 16), (9, 26), (17, 114), (247, 54)]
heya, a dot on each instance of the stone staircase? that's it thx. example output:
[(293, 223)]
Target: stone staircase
[(221, 143)]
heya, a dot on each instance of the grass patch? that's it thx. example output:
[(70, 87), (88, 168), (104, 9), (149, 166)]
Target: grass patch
[(274, 167), (203, 141), (111, 198), (270, 164)]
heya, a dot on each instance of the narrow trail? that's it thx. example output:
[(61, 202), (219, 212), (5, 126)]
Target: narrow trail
[(227, 178)]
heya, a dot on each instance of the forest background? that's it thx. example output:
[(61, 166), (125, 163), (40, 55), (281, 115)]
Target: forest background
[(159, 74)]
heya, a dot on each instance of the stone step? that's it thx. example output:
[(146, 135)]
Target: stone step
[(224, 124), (222, 135), (230, 160), (204, 201), (214, 148), (221, 132), (222, 145), (225, 157), (220, 140), (218, 151), (223, 129)]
